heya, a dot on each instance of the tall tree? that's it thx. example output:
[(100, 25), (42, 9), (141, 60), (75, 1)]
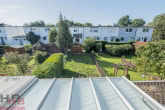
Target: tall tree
[(138, 22), (78, 24), (88, 24), (36, 23), (64, 38), (151, 58), (124, 21), (159, 27), (32, 38), (52, 35)]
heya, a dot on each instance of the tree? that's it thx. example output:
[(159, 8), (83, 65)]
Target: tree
[(88, 24), (50, 25), (64, 38), (52, 35), (88, 43), (32, 38), (78, 24), (124, 21), (151, 58), (36, 23), (159, 27), (138, 22), (21, 61)]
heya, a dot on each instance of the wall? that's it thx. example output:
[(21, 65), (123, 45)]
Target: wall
[(143, 35), (41, 31), (128, 36), (3, 35)]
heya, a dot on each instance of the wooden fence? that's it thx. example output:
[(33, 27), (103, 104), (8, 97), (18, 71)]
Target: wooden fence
[(156, 89), (100, 70)]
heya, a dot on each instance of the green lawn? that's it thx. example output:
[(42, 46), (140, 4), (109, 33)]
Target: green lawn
[(105, 62), (80, 65)]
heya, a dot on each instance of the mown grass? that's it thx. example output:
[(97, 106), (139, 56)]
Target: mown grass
[(80, 65), (106, 61)]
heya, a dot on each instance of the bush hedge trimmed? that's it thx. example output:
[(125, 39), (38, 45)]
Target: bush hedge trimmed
[(50, 68), (119, 50)]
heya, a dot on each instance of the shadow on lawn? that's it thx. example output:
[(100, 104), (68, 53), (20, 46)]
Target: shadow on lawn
[(69, 74), (81, 58)]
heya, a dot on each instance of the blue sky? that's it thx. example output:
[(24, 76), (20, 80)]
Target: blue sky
[(17, 12)]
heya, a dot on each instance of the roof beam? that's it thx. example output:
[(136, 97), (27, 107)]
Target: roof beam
[(148, 99), (45, 95), (94, 94), (120, 95), (70, 95)]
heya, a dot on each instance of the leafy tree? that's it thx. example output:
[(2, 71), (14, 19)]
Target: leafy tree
[(151, 58), (21, 61), (124, 21), (159, 27), (88, 24), (138, 22), (50, 25), (32, 38), (78, 24), (52, 35), (36, 23), (64, 38), (88, 43)]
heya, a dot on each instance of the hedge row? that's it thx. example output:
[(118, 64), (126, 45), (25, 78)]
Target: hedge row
[(50, 68), (112, 43), (119, 50)]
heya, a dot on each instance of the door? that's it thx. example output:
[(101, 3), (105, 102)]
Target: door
[(145, 39), (21, 41)]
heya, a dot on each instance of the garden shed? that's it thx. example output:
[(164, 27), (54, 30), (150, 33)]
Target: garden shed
[(76, 48), (53, 48), (40, 46), (106, 93), (15, 48)]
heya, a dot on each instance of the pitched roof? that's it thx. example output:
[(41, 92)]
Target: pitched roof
[(79, 93)]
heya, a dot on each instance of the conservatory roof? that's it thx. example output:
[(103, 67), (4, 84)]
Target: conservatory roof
[(77, 94)]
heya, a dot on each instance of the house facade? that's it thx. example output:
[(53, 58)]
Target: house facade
[(16, 35)]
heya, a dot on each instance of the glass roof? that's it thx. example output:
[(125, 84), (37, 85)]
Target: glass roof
[(78, 94)]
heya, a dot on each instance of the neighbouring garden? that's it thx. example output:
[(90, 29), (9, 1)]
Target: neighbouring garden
[(80, 65)]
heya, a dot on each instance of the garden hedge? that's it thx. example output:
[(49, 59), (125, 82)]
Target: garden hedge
[(119, 50), (50, 68)]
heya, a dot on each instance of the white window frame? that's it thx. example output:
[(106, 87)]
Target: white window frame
[(128, 30)]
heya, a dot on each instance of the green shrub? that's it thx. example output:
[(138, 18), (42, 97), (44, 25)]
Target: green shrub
[(40, 57), (119, 50), (98, 47), (52, 67), (88, 43), (28, 47)]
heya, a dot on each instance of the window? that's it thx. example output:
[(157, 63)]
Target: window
[(97, 38), (77, 40), (94, 30), (0, 30), (105, 38), (122, 38), (44, 38), (145, 30), (5, 38), (47, 29), (112, 31), (76, 30), (16, 39), (128, 30), (138, 39), (24, 39), (112, 39)]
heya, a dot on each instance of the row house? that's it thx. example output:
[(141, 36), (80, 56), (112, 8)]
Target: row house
[(16, 35)]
